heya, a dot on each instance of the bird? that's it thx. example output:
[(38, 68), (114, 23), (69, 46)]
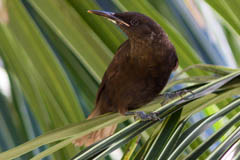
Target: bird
[(137, 73)]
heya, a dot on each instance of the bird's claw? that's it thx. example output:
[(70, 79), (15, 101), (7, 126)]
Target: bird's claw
[(172, 95), (152, 116)]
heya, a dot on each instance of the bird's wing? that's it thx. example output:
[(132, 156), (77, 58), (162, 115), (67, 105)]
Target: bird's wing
[(174, 59), (112, 69)]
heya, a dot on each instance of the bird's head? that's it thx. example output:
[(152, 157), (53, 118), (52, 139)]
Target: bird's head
[(135, 25)]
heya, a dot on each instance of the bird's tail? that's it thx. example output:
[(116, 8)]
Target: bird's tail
[(95, 136)]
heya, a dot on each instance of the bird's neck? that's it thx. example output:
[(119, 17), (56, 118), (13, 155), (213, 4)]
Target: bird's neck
[(143, 49), (142, 46), (140, 51)]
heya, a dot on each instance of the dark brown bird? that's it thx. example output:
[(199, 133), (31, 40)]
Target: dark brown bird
[(138, 72)]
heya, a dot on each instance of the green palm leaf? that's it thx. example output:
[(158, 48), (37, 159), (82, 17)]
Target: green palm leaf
[(55, 54)]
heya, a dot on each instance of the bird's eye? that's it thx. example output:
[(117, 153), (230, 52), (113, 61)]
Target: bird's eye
[(134, 22)]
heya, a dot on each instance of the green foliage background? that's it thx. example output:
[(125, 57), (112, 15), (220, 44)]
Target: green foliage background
[(55, 54)]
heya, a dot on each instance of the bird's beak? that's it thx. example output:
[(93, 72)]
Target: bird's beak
[(110, 16)]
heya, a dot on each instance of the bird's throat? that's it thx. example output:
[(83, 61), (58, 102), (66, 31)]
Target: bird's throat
[(140, 49)]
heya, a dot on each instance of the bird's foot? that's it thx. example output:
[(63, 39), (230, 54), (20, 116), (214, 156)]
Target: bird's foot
[(171, 95), (152, 116)]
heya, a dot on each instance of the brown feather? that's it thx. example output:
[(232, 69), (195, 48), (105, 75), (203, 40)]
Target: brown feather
[(138, 72), (97, 135)]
